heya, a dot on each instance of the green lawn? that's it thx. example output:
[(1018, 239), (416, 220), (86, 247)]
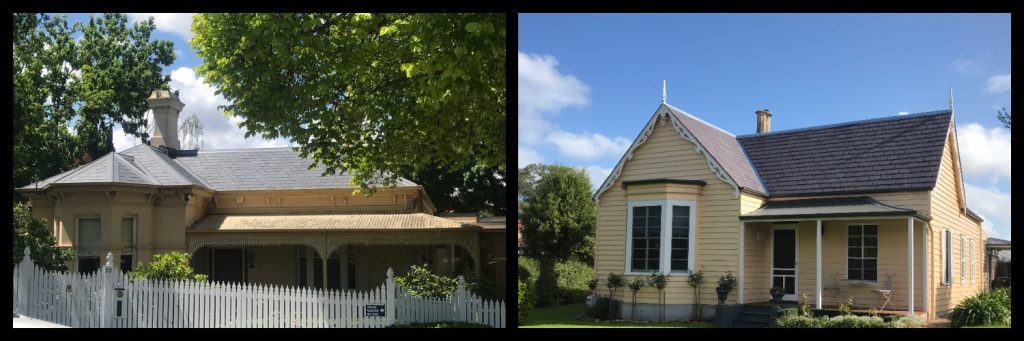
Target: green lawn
[(564, 316)]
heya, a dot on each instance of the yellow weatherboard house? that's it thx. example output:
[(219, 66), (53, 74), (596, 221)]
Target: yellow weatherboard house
[(254, 215), (872, 210)]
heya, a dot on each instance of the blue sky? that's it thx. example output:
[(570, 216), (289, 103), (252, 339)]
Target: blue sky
[(219, 132), (588, 83)]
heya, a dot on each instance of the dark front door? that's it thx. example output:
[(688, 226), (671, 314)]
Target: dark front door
[(228, 265), (784, 261)]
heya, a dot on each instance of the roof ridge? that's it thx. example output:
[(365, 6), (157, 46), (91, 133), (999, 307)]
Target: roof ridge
[(841, 124), (174, 171), (138, 171), (700, 120)]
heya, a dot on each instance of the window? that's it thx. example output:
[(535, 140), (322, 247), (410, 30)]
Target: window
[(862, 252), (88, 245), (654, 249), (947, 256), (963, 260), (127, 244)]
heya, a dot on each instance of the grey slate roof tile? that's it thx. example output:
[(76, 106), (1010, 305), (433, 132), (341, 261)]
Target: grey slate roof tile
[(893, 153), (723, 147)]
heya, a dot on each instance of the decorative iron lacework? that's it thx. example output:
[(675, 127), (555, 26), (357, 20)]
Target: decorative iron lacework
[(330, 241), (661, 115)]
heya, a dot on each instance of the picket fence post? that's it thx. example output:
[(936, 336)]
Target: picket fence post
[(460, 301), (26, 279), (106, 300), (389, 293)]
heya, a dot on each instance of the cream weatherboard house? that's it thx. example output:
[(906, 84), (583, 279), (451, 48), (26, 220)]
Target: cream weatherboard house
[(860, 209), (251, 215)]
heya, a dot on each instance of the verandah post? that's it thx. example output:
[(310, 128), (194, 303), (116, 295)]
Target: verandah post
[(389, 304)]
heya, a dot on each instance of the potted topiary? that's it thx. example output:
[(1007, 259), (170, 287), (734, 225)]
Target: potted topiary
[(725, 285)]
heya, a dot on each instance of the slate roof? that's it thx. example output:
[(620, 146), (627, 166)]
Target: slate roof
[(899, 153), (996, 243), (828, 207), (724, 148), (221, 170), (322, 222)]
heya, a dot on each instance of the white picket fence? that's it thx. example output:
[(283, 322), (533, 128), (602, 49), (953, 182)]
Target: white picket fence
[(79, 301)]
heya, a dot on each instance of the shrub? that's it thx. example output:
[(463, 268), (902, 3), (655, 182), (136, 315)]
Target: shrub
[(909, 322), (440, 325), (600, 308), (37, 235), (167, 266), (851, 321), (420, 282), (487, 289), (573, 278), (525, 299), (986, 308), (797, 321), (727, 282)]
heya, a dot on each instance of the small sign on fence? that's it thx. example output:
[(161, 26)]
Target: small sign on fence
[(374, 310)]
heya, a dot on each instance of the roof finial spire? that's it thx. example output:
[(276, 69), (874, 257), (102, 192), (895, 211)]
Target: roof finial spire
[(663, 91), (951, 100)]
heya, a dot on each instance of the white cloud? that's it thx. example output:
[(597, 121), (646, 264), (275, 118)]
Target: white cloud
[(998, 83), (993, 205), (588, 147), (984, 152), (219, 132), (543, 89), (597, 175), (528, 156), (967, 67), (177, 23), (901, 113)]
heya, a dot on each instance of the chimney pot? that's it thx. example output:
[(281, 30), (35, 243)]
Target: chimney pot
[(764, 121), (166, 107)]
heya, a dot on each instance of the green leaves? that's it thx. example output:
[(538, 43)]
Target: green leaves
[(559, 214), (97, 81), (375, 95), (172, 265), (37, 235), (420, 282)]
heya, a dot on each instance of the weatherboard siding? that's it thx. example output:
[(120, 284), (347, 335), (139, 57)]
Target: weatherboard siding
[(947, 214), (668, 155)]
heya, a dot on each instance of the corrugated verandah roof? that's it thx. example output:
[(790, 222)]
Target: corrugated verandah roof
[(828, 207), (322, 222)]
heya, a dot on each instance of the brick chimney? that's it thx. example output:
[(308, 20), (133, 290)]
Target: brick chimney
[(166, 107), (764, 121)]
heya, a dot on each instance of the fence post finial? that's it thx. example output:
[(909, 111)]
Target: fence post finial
[(390, 299), (27, 252)]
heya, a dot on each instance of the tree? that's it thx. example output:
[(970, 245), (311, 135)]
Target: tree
[(659, 281), (37, 235), (696, 280), (472, 188), (1004, 116), (557, 218), (368, 94), (172, 265), (528, 177), (613, 283), (90, 83), (635, 286)]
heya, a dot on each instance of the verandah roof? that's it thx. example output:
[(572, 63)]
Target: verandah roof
[(829, 208), (323, 222)]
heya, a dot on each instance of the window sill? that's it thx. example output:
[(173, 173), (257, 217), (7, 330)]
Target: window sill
[(671, 274), (859, 282)]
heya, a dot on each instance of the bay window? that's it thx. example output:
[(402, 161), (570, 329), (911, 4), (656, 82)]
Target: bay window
[(660, 237)]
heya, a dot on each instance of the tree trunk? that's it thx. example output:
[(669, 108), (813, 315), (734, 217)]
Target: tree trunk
[(547, 283)]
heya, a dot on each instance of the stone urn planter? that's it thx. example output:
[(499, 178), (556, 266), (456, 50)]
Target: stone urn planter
[(723, 294), (777, 294)]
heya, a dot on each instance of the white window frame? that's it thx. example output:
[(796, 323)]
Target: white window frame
[(846, 263), (665, 261), (947, 257), (963, 259)]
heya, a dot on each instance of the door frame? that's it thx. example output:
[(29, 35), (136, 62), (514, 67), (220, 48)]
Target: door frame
[(796, 258)]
